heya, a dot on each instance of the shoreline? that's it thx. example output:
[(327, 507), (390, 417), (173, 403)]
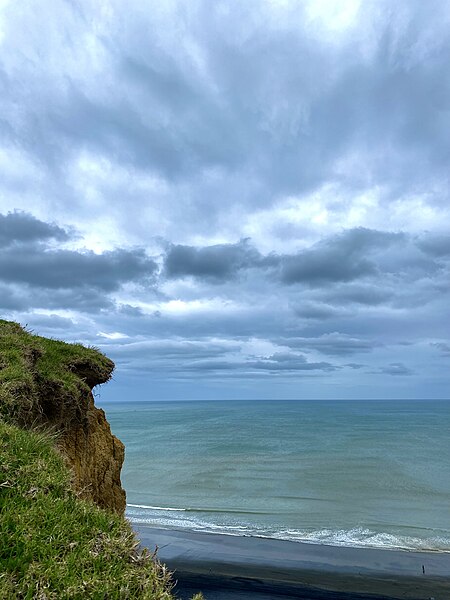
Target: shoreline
[(145, 524), (228, 566)]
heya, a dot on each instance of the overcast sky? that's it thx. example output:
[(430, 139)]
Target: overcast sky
[(231, 199)]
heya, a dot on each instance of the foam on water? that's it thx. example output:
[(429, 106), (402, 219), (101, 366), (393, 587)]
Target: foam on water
[(355, 537), (164, 508)]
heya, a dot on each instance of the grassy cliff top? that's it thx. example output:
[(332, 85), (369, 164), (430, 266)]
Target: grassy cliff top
[(35, 372)]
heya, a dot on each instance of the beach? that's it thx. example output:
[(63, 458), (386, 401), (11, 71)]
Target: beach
[(225, 566)]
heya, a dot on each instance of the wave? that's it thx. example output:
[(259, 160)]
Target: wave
[(360, 537), (164, 508), (365, 538), (230, 511)]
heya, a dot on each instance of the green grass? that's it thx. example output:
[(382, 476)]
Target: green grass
[(56, 546), (35, 370)]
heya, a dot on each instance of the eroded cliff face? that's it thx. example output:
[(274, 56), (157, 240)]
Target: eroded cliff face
[(49, 383), (95, 456)]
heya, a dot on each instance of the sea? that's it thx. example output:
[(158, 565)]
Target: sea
[(342, 473)]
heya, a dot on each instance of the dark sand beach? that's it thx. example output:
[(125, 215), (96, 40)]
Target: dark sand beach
[(252, 568)]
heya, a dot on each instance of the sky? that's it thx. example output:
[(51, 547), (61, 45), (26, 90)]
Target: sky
[(231, 199)]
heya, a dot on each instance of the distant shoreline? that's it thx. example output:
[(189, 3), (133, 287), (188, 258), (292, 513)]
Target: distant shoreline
[(263, 568)]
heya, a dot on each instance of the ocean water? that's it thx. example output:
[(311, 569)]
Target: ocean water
[(334, 472)]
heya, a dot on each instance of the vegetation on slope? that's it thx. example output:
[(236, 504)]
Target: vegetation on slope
[(54, 545)]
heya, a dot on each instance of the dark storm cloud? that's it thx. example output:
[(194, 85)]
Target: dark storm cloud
[(36, 272), (21, 227), (340, 258), (218, 263), (72, 269), (83, 299), (353, 254), (23, 297), (317, 267), (27, 259)]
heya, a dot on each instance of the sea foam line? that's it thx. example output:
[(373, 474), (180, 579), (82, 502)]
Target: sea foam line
[(156, 507), (356, 537), (230, 511)]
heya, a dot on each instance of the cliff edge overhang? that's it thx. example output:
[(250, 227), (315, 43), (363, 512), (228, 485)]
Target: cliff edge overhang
[(49, 383)]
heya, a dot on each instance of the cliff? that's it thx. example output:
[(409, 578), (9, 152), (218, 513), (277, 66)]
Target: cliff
[(57, 541), (49, 383)]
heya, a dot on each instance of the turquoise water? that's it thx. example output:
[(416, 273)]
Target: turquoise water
[(343, 473)]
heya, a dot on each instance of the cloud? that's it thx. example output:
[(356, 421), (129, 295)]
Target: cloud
[(355, 365), (67, 269), (436, 245), (443, 347), (130, 311), (315, 310), (220, 262), (15, 298), (49, 322), (353, 254), (374, 294), (333, 344), (341, 258), (12, 298), (232, 108), (36, 264), (182, 357), (20, 227), (396, 369), (287, 361), (274, 171)]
